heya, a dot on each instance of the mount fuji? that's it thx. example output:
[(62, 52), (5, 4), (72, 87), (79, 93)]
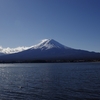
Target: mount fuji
[(50, 50)]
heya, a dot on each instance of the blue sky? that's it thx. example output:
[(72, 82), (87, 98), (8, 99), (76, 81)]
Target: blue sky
[(74, 23)]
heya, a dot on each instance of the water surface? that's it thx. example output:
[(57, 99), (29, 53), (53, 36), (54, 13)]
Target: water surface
[(50, 81)]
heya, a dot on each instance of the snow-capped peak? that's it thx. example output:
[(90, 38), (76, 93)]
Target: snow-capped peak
[(48, 44), (44, 44)]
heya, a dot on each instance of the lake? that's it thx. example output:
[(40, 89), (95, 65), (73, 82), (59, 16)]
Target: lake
[(50, 81)]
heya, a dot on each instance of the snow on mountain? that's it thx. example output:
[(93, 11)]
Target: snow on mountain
[(50, 49), (44, 44), (48, 44)]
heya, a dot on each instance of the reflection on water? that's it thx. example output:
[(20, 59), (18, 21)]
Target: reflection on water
[(50, 81)]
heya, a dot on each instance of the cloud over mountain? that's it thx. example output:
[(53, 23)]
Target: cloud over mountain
[(43, 43), (9, 50)]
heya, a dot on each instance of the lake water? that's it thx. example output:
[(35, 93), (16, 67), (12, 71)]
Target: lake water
[(50, 81)]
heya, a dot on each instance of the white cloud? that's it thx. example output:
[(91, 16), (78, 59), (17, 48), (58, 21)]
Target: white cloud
[(9, 50)]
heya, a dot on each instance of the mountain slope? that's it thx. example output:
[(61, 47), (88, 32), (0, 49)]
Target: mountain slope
[(48, 44), (2, 53), (50, 49)]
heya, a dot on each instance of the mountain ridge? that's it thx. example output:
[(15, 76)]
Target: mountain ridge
[(50, 50)]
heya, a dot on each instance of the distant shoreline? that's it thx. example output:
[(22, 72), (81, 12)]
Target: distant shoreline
[(50, 61)]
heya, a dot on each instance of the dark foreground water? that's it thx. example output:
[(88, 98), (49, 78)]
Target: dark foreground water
[(50, 81)]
